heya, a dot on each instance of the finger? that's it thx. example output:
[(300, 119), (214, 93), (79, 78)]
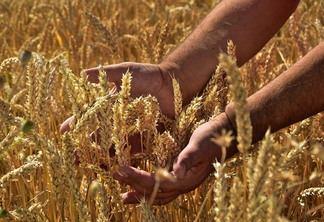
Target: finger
[(182, 164), (140, 180), (65, 127), (114, 90), (135, 198), (132, 197), (114, 73), (138, 188), (143, 182)]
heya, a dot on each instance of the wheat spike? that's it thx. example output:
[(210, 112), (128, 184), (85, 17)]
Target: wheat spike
[(58, 179), (42, 102), (101, 202), (161, 150), (84, 50), (114, 187), (26, 168), (134, 115), (147, 213), (258, 175), (177, 98), (68, 149), (160, 45), (272, 211), (75, 95), (103, 81), (310, 192), (243, 122), (4, 108), (9, 139), (5, 64), (101, 103), (185, 121), (21, 214), (106, 35), (18, 96), (235, 208), (220, 190), (31, 89)]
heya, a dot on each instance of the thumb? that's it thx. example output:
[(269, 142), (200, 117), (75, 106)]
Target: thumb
[(182, 164), (65, 127)]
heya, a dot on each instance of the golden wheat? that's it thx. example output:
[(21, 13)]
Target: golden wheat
[(41, 82)]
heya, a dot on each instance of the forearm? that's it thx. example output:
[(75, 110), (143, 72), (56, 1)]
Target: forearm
[(296, 94), (249, 23)]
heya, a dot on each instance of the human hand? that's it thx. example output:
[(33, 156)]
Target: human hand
[(191, 168), (146, 79)]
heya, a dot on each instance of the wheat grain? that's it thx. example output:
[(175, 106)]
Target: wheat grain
[(220, 190), (310, 192)]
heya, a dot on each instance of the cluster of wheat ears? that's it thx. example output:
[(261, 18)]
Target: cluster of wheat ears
[(44, 47)]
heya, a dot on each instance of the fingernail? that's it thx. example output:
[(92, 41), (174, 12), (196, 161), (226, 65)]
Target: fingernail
[(123, 172)]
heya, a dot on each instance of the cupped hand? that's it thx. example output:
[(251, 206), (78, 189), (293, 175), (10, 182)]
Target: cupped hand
[(146, 79), (191, 168)]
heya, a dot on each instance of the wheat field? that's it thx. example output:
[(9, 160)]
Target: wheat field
[(44, 47)]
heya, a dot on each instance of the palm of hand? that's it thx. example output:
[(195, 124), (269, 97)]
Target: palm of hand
[(191, 168)]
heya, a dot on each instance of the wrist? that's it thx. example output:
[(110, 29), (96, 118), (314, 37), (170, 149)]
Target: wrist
[(230, 114), (222, 122), (259, 127), (167, 70), (171, 70)]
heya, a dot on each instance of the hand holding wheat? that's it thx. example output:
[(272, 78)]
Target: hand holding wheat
[(193, 165), (146, 79)]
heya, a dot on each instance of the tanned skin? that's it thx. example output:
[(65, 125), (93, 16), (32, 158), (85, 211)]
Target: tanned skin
[(291, 97)]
